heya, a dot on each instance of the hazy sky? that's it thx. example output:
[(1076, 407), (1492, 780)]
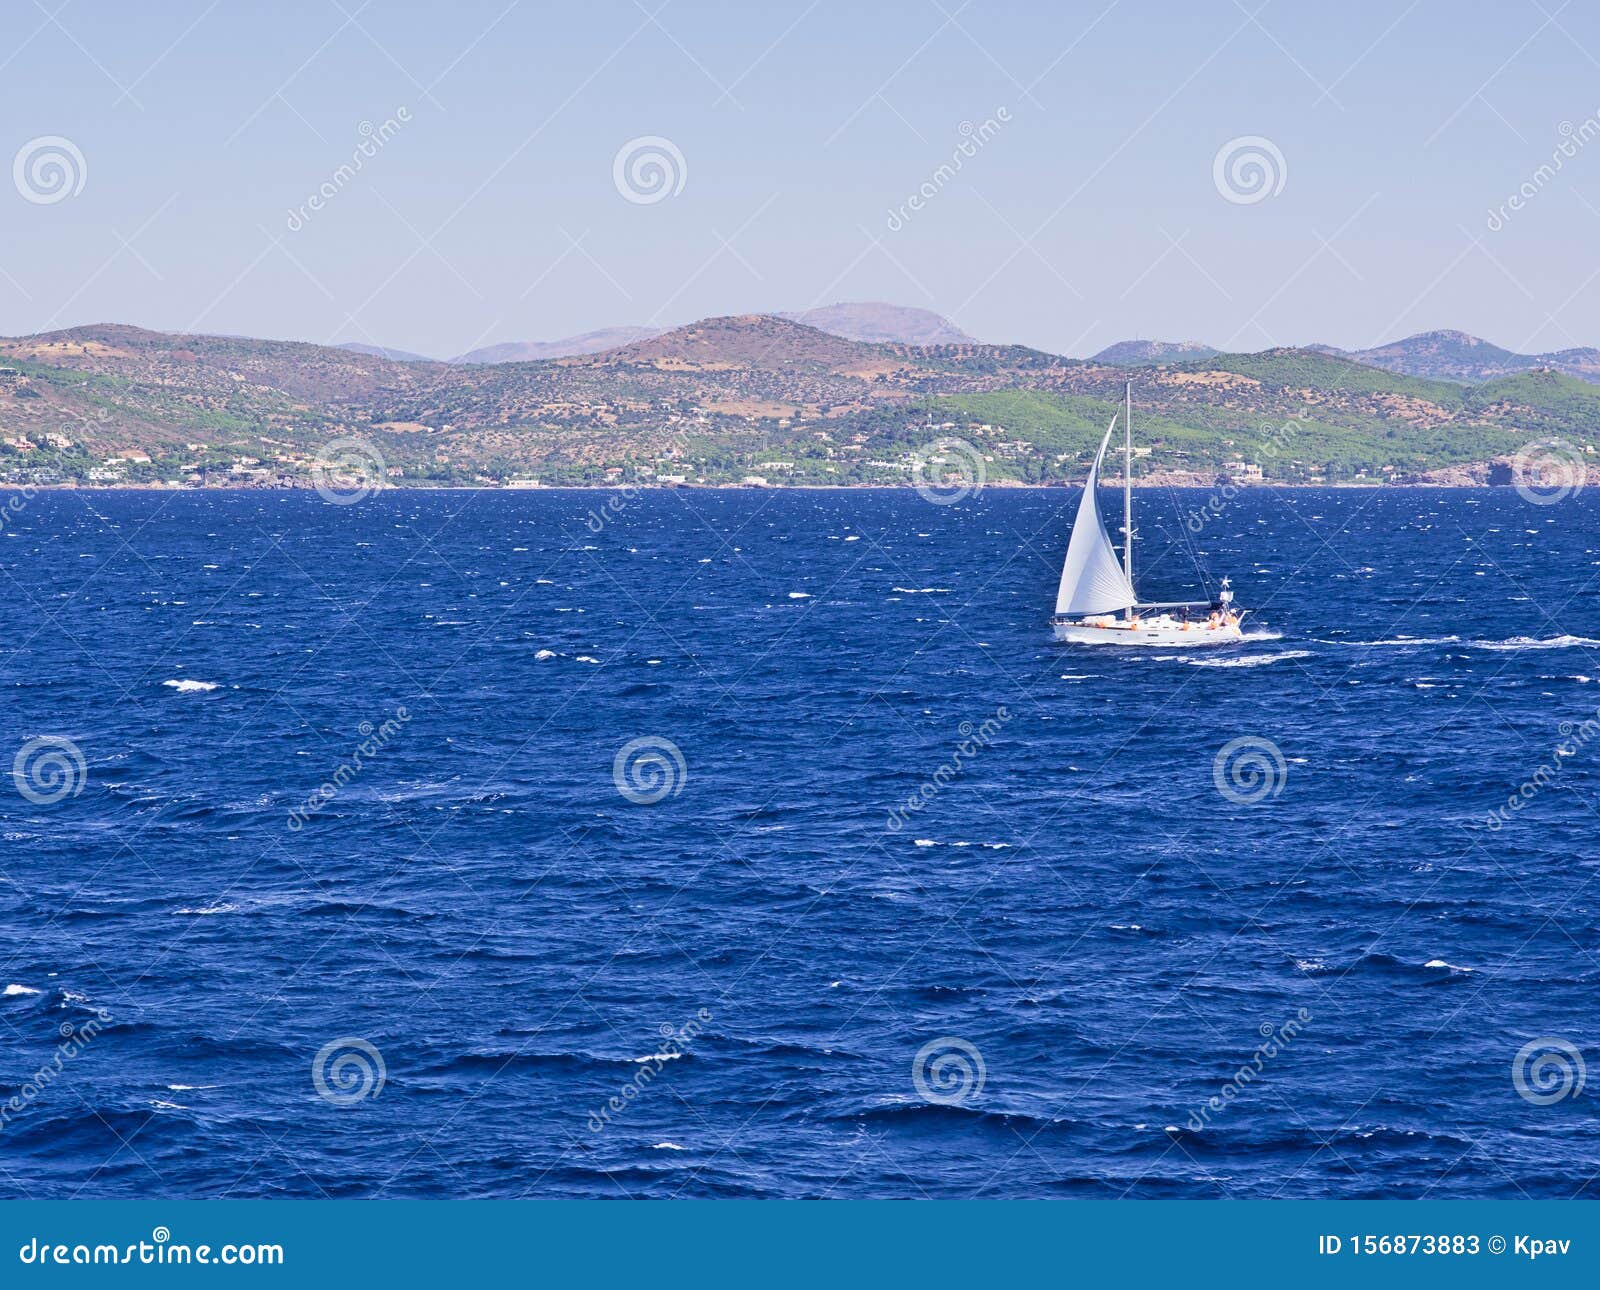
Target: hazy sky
[(1090, 210)]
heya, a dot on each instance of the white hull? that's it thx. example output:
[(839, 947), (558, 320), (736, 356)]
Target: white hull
[(1163, 632)]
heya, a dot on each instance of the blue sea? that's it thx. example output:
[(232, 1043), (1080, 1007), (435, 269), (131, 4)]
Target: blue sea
[(762, 844)]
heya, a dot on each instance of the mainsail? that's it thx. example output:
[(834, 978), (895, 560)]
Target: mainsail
[(1093, 580)]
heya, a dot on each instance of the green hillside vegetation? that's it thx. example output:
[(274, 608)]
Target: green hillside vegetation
[(1281, 369), (728, 398), (1547, 402)]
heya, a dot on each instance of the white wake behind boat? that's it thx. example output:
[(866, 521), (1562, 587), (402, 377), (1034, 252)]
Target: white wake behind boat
[(1096, 603)]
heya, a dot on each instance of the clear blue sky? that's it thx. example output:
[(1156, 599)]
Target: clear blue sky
[(1091, 215)]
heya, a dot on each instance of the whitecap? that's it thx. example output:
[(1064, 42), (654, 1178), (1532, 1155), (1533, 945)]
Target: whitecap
[(657, 1057), (1529, 642), (13, 990), (1447, 967), (1247, 660), (921, 591), (201, 910), (925, 842), (666, 1146), (191, 687), (799, 595), (545, 653), (585, 658)]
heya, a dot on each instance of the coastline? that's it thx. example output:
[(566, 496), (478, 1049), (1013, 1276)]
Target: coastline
[(612, 487)]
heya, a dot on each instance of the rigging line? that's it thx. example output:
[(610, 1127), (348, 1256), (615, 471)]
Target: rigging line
[(1188, 540)]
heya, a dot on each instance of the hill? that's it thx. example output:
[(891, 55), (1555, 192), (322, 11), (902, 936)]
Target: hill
[(1457, 356), (723, 398), (870, 322), (879, 323), (378, 351), (1148, 353)]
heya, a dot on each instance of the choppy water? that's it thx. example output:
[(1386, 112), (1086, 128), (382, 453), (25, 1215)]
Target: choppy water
[(1107, 935)]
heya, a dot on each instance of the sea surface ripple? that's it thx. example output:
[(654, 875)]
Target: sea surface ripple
[(487, 963)]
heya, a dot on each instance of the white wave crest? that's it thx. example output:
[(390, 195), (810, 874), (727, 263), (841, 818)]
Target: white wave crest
[(1247, 660), (1529, 642)]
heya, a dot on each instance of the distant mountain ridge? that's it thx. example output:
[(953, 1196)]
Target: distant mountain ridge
[(1459, 356), (534, 351), (380, 351), (883, 324), (872, 322)]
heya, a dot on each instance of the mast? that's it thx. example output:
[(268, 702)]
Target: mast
[(1127, 482)]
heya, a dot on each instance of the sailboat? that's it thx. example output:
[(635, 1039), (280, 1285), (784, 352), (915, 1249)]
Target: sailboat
[(1096, 603)]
